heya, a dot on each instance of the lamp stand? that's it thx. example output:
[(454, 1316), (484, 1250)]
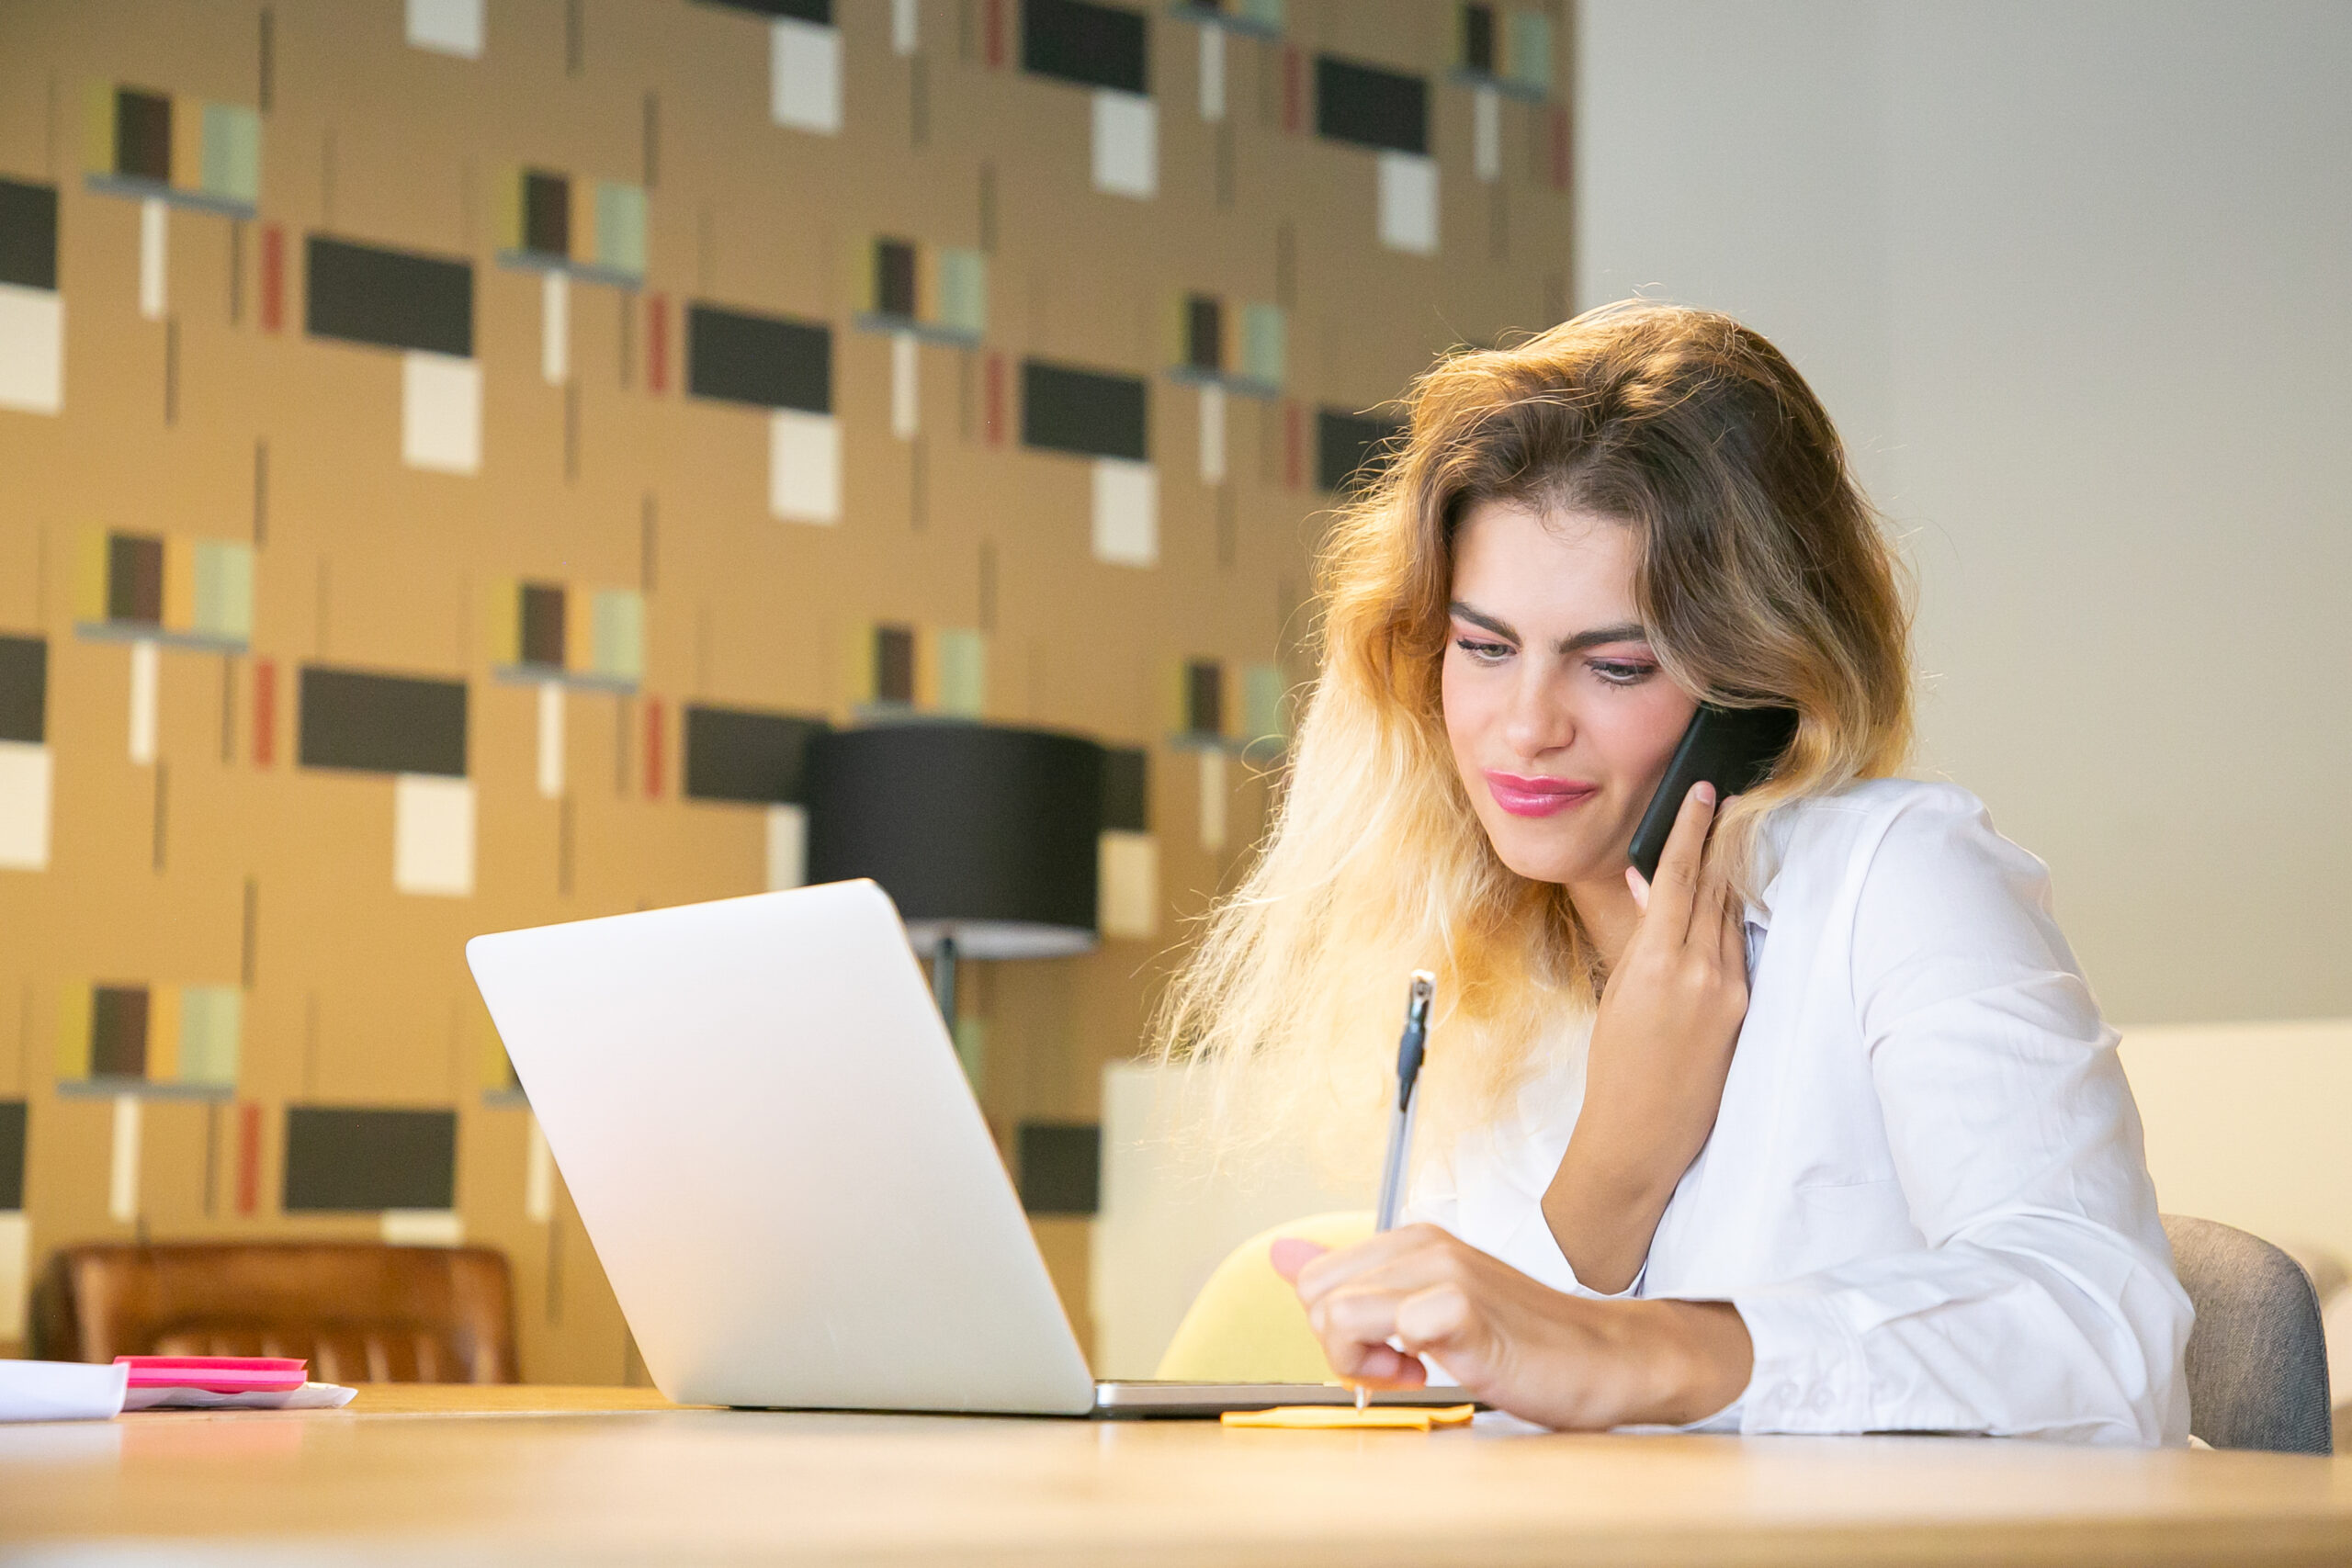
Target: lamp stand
[(943, 978)]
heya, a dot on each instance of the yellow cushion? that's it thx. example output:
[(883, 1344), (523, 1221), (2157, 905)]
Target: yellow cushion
[(1246, 1326)]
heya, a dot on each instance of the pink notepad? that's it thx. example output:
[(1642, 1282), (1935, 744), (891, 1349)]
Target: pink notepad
[(217, 1374)]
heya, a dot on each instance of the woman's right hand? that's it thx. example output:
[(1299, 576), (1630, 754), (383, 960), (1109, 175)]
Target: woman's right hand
[(1661, 1049)]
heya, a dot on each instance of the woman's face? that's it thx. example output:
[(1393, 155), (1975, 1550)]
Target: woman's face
[(1562, 722)]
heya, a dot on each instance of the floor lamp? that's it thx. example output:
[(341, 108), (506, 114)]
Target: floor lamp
[(986, 837)]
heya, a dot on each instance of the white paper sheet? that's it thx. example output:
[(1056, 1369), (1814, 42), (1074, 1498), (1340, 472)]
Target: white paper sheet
[(310, 1396), (1409, 203), (433, 835), (32, 349), (1127, 513), (61, 1390)]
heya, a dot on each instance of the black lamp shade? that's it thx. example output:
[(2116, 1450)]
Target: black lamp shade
[(986, 834)]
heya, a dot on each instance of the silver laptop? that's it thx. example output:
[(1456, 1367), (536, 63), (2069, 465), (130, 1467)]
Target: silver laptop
[(761, 1120)]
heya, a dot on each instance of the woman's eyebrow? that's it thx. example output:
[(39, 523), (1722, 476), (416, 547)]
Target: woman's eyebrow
[(1598, 637)]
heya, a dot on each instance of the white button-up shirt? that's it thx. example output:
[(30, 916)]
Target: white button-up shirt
[(1925, 1191)]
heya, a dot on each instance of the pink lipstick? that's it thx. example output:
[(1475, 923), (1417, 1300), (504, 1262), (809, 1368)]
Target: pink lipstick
[(1524, 796)]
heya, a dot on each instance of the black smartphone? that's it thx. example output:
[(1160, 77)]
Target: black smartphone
[(1731, 749)]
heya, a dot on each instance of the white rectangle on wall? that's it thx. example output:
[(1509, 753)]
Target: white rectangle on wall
[(32, 349), (422, 1227), (154, 248), (539, 1178), (555, 328), (1486, 133), (1409, 203), (16, 1249), (122, 1166), (905, 403), (805, 75), (1126, 143), (1128, 888), (441, 412), (25, 787), (1213, 800), (146, 675), (804, 466), (904, 26), (788, 847), (1127, 513), (1212, 74), (551, 741), (433, 835), (446, 27), (1212, 431)]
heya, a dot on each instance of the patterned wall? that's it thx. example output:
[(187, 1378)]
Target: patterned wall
[(453, 452)]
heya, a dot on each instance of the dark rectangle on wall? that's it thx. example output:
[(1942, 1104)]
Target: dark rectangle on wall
[(1098, 46), (135, 579), (1061, 1167), (391, 298), (27, 235), (742, 754), (1204, 333), (546, 213), (769, 361), (1205, 697), (12, 1156), (143, 134), (894, 664), (118, 1031), (800, 11), (382, 724), (24, 689), (1370, 106), (1478, 38), (1350, 449), (894, 277), (1127, 789), (339, 1159), (539, 635), (1067, 409)]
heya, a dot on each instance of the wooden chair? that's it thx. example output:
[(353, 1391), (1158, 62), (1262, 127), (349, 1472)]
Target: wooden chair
[(356, 1312)]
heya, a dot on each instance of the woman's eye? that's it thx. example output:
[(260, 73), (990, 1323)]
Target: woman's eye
[(1484, 652), (1619, 673)]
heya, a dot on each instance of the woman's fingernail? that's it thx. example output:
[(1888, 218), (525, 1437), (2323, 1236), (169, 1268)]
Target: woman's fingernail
[(1705, 792)]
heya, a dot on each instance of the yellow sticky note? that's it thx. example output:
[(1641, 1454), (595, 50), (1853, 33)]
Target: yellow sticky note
[(1335, 1417)]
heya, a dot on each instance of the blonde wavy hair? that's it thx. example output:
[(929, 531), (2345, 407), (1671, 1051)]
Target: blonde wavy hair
[(1763, 577)]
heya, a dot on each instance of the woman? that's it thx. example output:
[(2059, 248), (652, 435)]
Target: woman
[(1821, 1133)]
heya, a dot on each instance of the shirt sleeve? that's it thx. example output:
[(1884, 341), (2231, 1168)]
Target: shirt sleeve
[(2043, 1303)]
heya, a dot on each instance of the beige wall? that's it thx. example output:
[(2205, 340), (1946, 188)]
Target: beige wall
[(2070, 278), (359, 995)]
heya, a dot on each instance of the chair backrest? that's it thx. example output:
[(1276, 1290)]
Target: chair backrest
[(2258, 1356), (356, 1312), (1246, 1326)]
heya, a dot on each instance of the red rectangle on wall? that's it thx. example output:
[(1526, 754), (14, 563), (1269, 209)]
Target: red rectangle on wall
[(993, 24), (1294, 445), (652, 748), (248, 1157), (265, 712), (656, 344), (1293, 89), (993, 415), (273, 277), (1559, 149)]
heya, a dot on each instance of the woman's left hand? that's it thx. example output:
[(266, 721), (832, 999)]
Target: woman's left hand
[(1515, 1344)]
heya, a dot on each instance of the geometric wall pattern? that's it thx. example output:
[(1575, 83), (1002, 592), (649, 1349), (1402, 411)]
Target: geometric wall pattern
[(460, 451)]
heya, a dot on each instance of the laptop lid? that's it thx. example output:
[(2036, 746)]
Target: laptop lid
[(761, 1120)]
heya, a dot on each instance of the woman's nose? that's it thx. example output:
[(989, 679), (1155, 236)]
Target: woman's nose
[(1538, 720)]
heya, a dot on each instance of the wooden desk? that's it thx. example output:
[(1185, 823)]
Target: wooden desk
[(616, 1475)]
